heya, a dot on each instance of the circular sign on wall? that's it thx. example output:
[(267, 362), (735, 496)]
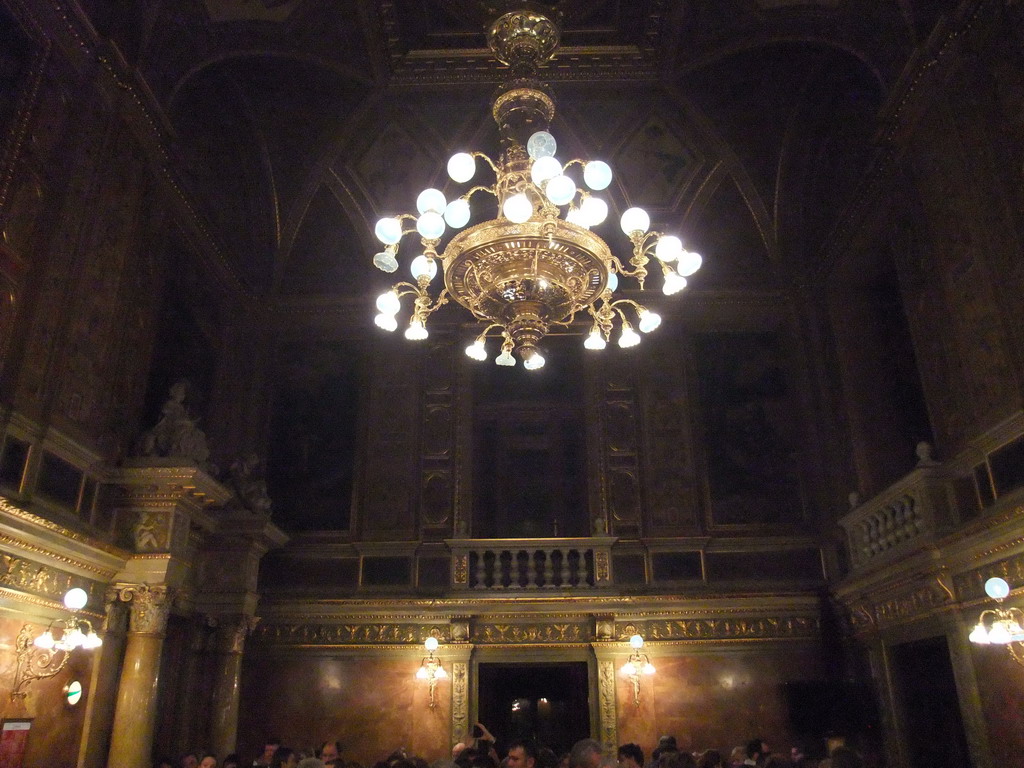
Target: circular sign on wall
[(73, 692)]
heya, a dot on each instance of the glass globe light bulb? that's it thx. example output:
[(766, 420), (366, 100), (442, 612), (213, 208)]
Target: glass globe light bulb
[(431, 200), (669, 248), (689, 262), (628, 337), (999, 635), (595, 210), (561, 190), (461, 167), (421, 673), (648, 320), (505, 358), (979, 634), (457, 213), (430, 643), (441, 674), (577, 217), (635, 220), (613, 281), (416, 330), (73, 638), (92, 640), (648, 668), (387, 322), (997, 588), (423, 265), (476, 350), (517, 208), (388, 231), (385, 261), (595, 339), (430, 225), (388, 303), (45, 641), (674, 283), (545, 169), (597, 175), (534, 361), (636, 641), (541, 144), (75, 599)]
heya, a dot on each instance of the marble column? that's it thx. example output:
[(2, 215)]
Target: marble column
[(99, 708), (135, 715), (231, 634)]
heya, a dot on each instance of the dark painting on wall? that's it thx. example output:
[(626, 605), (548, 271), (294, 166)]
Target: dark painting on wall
[(750, 430), (313, 436)]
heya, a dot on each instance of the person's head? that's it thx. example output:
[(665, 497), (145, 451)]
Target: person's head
[(231, 761), (755, 749), (667, 742), (586, 753), (330, 751), (631, 756), (521, 754), (673, 758), (737, 756), (310, 762), (845, 757), (712, 758), (270, 746), (208, 761), (284, 757)]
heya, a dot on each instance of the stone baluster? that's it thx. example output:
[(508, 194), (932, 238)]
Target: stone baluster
[(481, 570), (565, 569), (131, 742), (582, 571), (549, 569), (531, 569)]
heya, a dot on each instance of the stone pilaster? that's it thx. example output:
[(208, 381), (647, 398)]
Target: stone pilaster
[(231, 635), (135, 715), (99, 708), (607, 714)]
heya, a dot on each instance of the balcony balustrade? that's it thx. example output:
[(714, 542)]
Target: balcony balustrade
[(538, 564)]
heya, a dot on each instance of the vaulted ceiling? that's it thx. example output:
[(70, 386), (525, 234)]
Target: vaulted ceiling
[(742, 124)]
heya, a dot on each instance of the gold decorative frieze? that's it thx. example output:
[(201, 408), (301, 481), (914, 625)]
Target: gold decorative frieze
[(348, 634), (560, 632), (733, 628), (914, 604), (970, 585), (38, 579)]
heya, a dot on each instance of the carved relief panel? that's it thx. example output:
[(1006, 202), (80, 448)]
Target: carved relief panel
[(437, 446), (618, 443)]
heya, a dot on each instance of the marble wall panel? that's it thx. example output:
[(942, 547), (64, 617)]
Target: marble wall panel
[(373, 705), (56, 730), (714, 700), (1001, 684)]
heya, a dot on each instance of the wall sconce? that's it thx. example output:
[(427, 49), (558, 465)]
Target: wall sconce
[(637, 664), (1000, 626), (45, 655), (431, 669)]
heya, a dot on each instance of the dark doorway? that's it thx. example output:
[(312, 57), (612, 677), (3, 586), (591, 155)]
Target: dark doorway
[(547, 702), (931, 710)]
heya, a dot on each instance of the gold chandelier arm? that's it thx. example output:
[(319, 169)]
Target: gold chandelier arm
[(486, 159), (479, 188)]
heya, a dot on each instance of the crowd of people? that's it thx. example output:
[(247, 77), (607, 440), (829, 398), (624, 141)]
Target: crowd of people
[(480, 750)]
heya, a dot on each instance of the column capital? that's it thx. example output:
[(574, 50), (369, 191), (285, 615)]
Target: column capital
[(149, 606), (232, 632)]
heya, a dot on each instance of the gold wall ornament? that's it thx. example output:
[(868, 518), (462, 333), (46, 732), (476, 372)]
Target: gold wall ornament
[(535, 265), (607, 713), (431, 669), (460, 699), (636, 665), (44, 656), (149, 607)]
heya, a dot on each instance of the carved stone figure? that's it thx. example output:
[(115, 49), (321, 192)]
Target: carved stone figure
[(250, 490), (176, 434)]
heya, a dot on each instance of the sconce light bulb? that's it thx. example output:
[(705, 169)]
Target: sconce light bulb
[(45, 641), (75, 599), (421, 673), (636, 641), (648, 668), (430, 644), (996, 588), (979, 634), (440, 674)]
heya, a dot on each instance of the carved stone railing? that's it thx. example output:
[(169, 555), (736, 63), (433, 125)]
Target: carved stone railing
[(531, 564), (901, 520)]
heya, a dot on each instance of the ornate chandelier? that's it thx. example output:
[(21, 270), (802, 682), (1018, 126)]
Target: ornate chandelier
[(537, 264)]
